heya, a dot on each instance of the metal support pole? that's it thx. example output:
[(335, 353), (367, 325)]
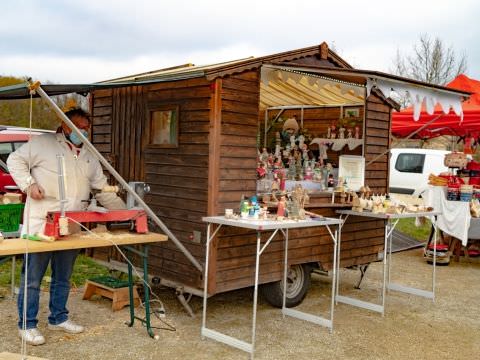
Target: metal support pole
[(408, 137), (118, 177), (61, 183)]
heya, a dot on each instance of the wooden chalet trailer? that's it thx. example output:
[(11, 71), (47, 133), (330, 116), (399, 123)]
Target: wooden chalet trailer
[(217, 116)]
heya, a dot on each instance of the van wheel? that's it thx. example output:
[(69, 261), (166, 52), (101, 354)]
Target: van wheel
[(298, 283)]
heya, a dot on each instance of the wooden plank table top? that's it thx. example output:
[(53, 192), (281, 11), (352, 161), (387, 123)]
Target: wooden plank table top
[(78, 241), (10, 356)]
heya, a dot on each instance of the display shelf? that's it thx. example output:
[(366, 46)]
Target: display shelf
[(339, 144)]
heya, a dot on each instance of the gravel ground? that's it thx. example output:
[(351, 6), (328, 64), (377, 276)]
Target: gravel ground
[(413, 327)]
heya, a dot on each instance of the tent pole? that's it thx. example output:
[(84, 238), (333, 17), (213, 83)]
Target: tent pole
[(402, 140), (117, 176)]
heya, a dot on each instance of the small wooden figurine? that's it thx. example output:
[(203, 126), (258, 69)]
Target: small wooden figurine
[(281, 208), (357, 132)]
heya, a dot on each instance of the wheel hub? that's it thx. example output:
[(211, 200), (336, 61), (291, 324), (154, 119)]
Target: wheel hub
[(295, 279)]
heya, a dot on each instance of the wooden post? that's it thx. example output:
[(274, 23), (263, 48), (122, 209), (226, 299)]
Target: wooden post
[(214, 147), (214, 172)]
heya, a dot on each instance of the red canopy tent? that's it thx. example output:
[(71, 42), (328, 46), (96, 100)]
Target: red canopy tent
[(445, 124)]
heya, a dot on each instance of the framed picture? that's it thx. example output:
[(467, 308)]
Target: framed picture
[(351, 113)]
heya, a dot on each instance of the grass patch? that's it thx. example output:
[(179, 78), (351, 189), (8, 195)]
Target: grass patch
[(408, 227), (84, 269)]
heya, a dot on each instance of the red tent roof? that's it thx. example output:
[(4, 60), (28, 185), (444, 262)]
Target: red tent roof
[(447, 124)]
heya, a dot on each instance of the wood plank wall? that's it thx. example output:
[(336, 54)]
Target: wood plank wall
[(362, 239), (178, 177), (238, 145), (377, 141), (361, 242)]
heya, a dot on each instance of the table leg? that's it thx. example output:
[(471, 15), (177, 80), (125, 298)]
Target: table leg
[(285, 271), (334, 278), (226, 339), (130, 291), (147, 292), (144, 255), (255, 293), (385, 253), (12, 281), (314, 318), (412, 290), (350, 300), (205, 281), (339, 242)]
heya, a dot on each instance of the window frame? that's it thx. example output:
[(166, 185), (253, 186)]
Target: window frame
[(151, 111), (410, 172)]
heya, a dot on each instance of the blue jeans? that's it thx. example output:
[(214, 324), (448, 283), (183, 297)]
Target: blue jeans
[(62, 267)]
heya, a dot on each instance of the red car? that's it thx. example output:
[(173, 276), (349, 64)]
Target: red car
[(11, 138)]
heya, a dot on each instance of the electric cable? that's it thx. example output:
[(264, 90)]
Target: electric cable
[(157, 298), (158, 314)]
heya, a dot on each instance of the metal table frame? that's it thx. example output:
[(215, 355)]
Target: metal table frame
[(387, 261), (276, 227)]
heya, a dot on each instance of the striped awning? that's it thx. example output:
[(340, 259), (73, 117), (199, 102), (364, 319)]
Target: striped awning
[(289, 87)]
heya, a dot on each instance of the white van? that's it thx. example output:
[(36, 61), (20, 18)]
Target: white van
[(410, 168)]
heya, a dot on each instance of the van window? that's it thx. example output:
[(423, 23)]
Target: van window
[(5, 150), (18, 144), (412, 163), (3, 167)]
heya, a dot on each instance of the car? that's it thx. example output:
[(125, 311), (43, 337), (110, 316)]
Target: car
[(410, 168), (11, 138)]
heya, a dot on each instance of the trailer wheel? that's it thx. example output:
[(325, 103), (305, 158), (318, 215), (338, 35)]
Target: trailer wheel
[(298, 283)]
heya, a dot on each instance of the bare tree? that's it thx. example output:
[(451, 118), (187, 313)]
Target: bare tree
[(431, 61)]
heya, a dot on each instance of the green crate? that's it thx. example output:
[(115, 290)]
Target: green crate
[(10, 216), (109, 281)]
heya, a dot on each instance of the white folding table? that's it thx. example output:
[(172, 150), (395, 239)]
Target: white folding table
[(389, 227), (260, 226)]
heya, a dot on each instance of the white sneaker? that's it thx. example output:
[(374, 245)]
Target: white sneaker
[(32, 336), (67, 326)]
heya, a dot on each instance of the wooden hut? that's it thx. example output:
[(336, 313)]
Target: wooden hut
[(216, 119)]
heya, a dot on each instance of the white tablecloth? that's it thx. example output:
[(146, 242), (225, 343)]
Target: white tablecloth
[(474, 230), (455, 218)]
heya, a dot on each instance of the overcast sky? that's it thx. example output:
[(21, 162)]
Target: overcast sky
[(71, 41)]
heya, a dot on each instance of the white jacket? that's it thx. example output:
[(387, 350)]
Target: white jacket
[(81, 173)]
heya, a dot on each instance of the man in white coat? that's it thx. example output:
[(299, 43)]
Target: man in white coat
[(34, 167)]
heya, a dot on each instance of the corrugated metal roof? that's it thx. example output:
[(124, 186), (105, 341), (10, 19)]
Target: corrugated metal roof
[(21, 91), (175, 73)]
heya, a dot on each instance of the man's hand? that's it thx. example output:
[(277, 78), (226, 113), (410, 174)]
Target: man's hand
[(36, 192)]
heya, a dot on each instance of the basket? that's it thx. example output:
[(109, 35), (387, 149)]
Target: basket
[(10, 216), (455, 160)]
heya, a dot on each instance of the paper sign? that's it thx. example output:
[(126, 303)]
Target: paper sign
[(351, 168)]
